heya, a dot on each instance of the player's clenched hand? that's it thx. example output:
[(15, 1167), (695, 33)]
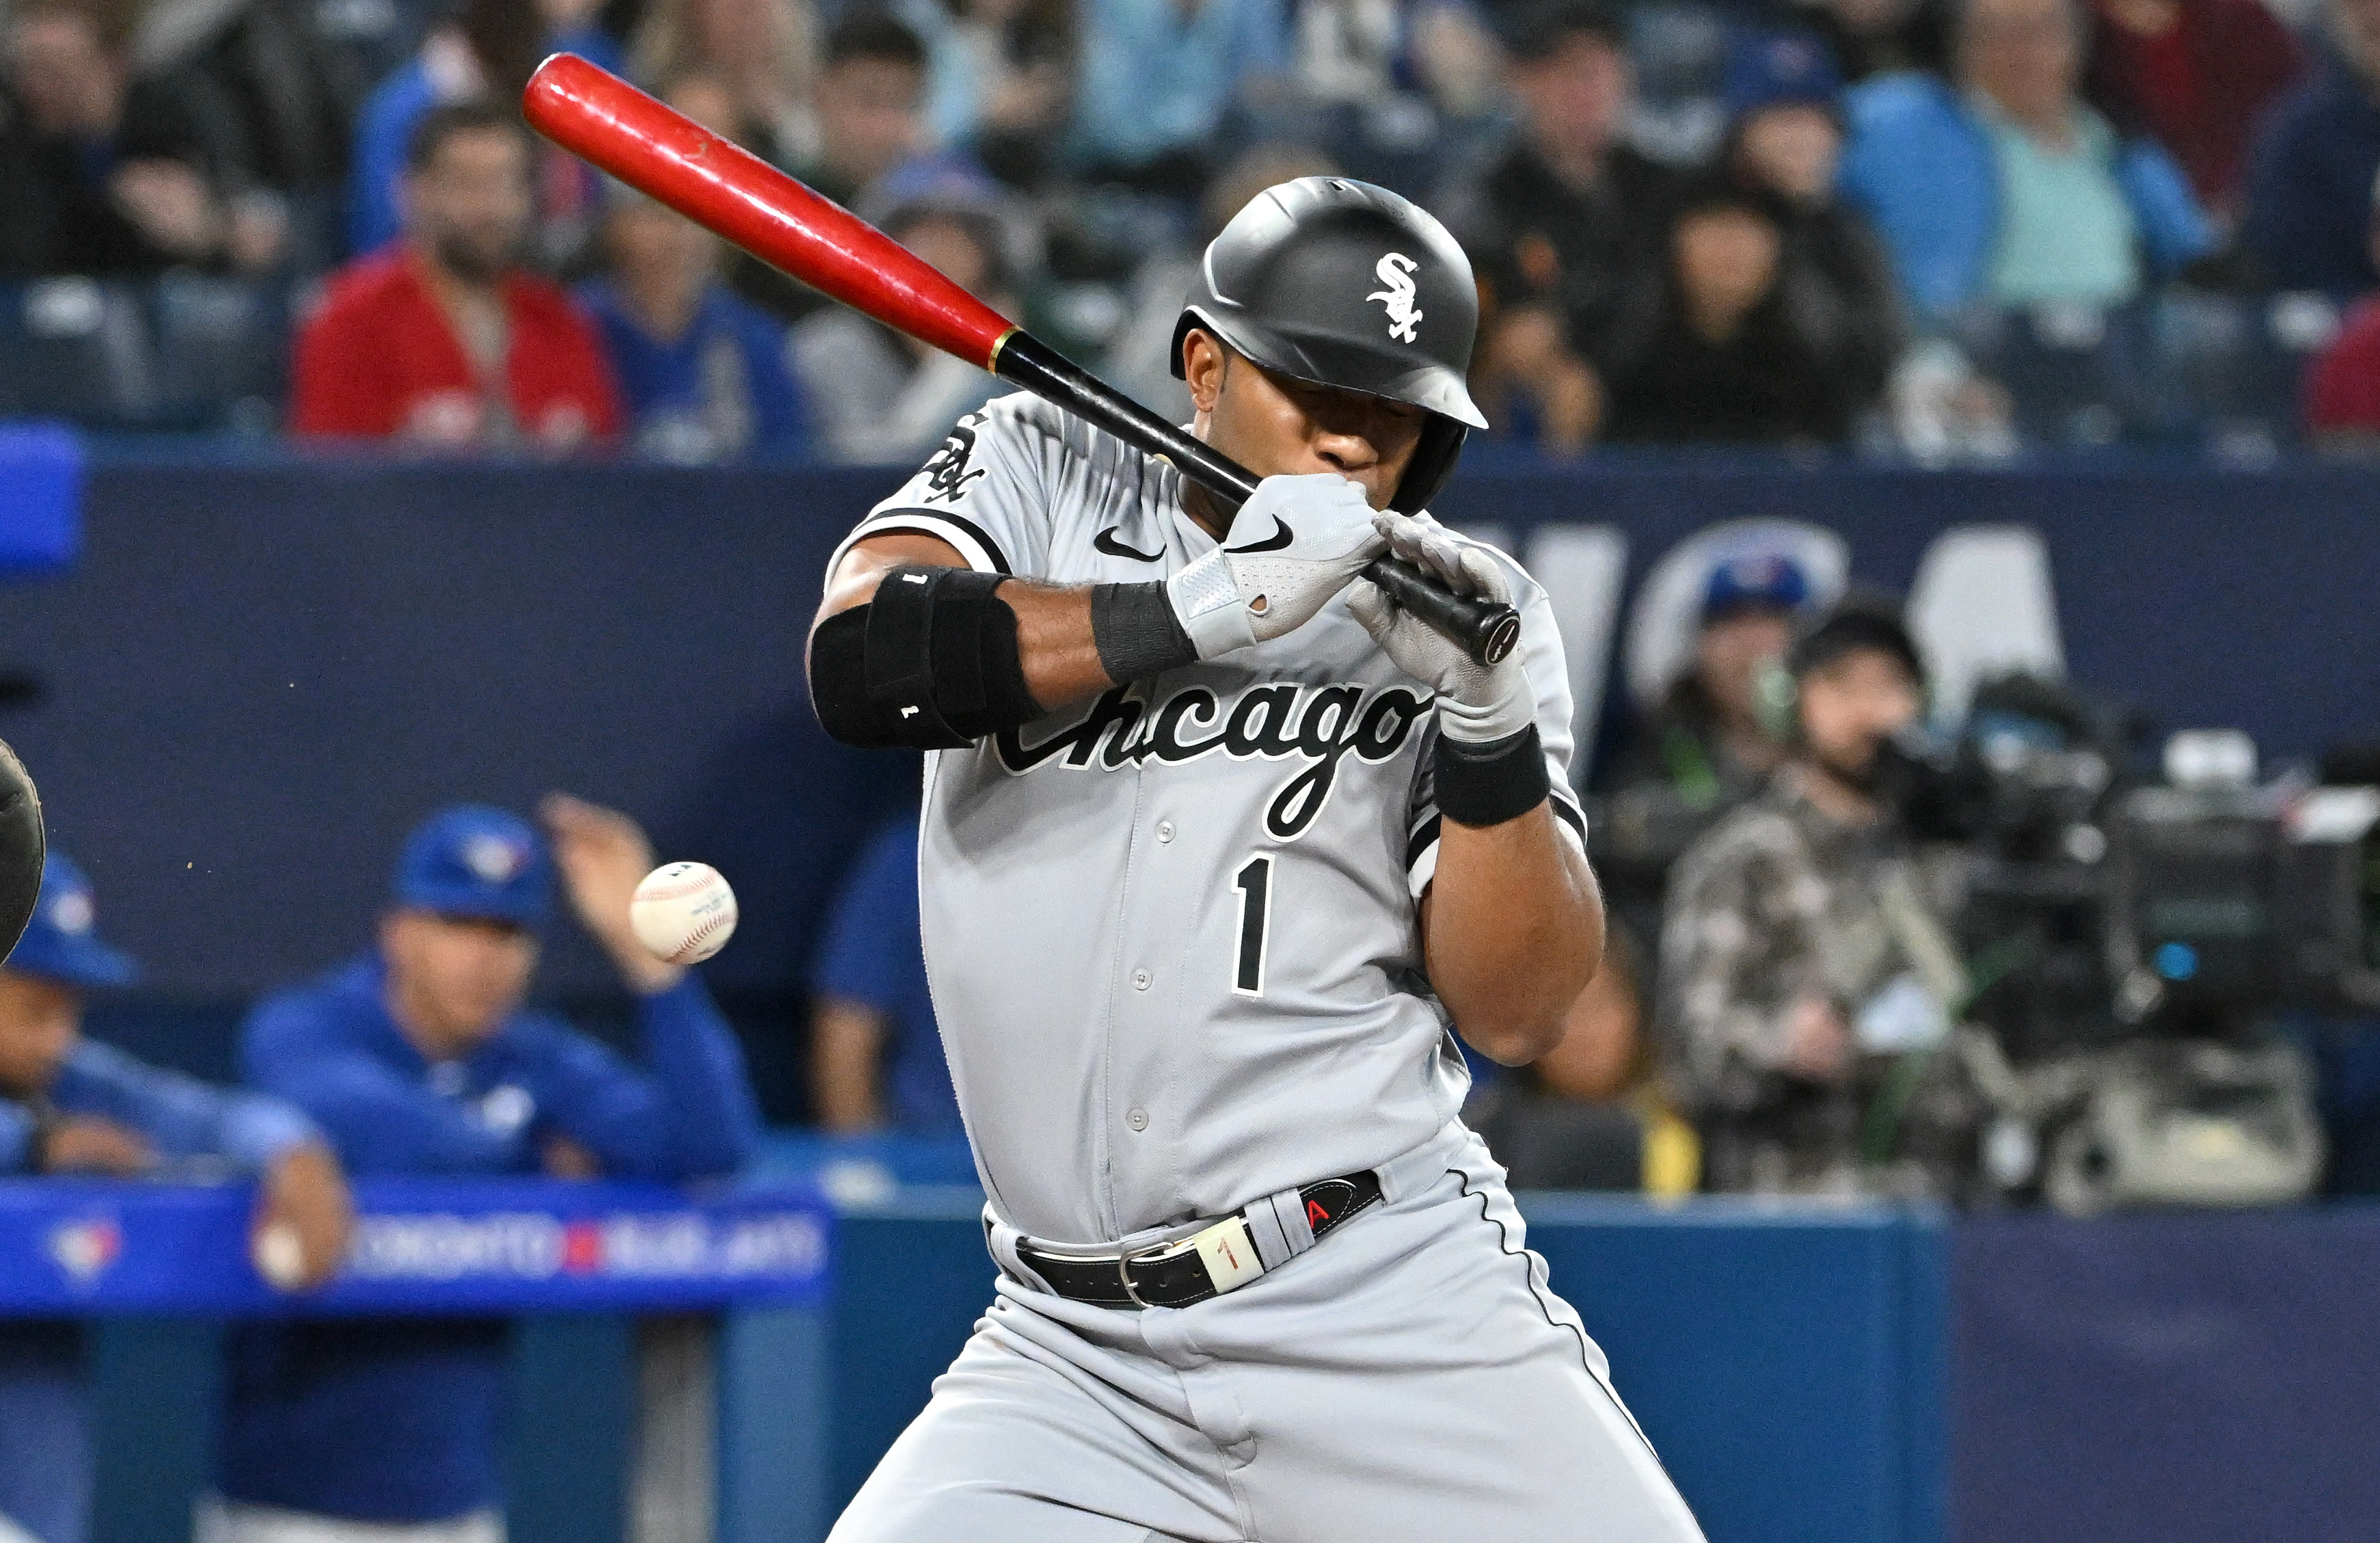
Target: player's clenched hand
[(1297, 543), (306, 1194), (1477, 703)]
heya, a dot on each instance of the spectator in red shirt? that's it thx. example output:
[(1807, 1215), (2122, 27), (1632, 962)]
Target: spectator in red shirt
[(442, 339), (2197, 75), (2342, 391)]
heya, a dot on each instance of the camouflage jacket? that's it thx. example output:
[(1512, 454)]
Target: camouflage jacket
[(1777, 901)]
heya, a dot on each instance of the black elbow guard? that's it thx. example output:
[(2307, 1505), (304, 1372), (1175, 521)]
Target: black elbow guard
[(930, 662)]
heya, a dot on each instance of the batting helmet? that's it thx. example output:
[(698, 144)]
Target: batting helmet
[(1347, 285)]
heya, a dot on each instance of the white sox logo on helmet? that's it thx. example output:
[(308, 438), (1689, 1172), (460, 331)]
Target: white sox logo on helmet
[(1396, 270)]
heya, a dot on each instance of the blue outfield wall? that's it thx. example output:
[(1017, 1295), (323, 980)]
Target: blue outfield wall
[(1836, 1375), (1786, 1361)]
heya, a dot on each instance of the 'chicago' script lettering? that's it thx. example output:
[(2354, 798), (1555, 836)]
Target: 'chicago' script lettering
[(1321, 724)]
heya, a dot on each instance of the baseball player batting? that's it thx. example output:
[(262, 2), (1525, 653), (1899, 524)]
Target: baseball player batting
[(1218, 843)]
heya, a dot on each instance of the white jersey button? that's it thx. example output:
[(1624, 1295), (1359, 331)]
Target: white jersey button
[(1140, 980), (1165, 830), (1137, 1119)]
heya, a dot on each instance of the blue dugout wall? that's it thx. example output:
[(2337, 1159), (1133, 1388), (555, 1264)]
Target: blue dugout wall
[(1860, 1373)]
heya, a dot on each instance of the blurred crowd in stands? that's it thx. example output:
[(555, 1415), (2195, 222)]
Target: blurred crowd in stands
[(1943, 228)]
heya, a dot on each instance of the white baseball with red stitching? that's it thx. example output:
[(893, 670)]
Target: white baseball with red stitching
[(682, 913)]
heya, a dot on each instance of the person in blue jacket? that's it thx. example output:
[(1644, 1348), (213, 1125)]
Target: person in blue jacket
[(702, 371), (68, 1106), (2005, 188), (876, 1051), (419, 1057)]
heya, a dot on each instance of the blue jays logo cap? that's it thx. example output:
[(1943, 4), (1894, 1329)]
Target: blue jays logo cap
[(62, 943), (473, 860), (1759, 581)]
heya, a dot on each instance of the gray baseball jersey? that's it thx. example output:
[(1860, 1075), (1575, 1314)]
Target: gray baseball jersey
[(1171, 933)]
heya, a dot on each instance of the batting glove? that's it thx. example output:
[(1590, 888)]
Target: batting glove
[(1297, 543), (1477, 703)]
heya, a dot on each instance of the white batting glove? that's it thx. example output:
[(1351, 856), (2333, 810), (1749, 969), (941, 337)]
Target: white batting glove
[(1297, 543), (1477, 704)]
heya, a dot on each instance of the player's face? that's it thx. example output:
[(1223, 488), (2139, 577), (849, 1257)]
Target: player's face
[(470, 205), (1794, 149), (455, 979), (1275, 425), (69, 84), (949, 250), (1730, 653), (1574, 101), (654, 249), (1851, 704), (2025, 54), (1727, 263), (868, 115), (39, 1022)]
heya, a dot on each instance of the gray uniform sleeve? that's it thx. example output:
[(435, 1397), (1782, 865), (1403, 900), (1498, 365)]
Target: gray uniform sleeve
[(1542, 656), (987, 491)]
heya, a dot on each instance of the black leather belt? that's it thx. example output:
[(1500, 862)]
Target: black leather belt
[(1210, 1262)]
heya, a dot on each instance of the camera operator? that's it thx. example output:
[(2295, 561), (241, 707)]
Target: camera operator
[(1805, 936)]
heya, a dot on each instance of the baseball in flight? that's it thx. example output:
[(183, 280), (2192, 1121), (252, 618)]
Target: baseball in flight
[(280, 1256), (683, 912)]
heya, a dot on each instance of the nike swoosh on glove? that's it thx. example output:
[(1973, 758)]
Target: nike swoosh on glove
[(1477, 703), (1297, 542)]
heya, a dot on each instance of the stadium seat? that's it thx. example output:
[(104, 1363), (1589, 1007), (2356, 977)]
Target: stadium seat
[(2237, 362), (222, 352), (2080, 375), (75, 348)]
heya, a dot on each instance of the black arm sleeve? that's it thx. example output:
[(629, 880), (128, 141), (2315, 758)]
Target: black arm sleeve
[(929, 663)]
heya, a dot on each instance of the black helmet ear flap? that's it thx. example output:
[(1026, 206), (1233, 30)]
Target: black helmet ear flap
[(1190, 318), (1432, 463)]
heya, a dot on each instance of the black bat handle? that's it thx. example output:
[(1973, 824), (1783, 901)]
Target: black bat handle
[(1486, 630)]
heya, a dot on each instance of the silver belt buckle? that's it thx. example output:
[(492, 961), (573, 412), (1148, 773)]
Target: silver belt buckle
[(1225, 1251), (1147, 1251)]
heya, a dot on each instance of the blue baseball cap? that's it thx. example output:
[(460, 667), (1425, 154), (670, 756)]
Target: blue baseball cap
[(1757, 581), (60, 942), (1766, 68), (473, 860)]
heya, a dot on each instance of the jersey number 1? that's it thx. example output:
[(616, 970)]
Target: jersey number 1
[(1255, 885)]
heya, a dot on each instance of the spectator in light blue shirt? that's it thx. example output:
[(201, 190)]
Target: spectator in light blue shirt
[(70, 1106), (2007, 188), (419, 1057), (876, 1049), (702, 372), (1160, 79)]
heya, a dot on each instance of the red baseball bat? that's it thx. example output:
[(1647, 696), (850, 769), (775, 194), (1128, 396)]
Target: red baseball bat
[(727, 189)]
